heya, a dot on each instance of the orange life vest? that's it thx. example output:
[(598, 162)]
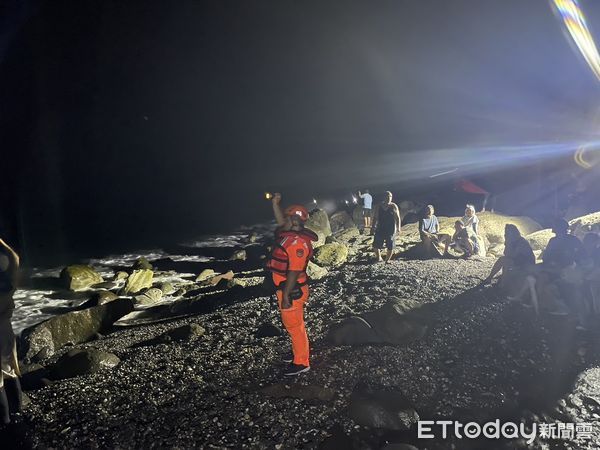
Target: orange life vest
[(279, 261)]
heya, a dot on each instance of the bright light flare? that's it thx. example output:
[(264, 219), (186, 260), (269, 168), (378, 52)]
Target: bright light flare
[(575, 22)]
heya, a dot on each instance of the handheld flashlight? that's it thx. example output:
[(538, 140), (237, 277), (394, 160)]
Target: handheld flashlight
[(268, 195)]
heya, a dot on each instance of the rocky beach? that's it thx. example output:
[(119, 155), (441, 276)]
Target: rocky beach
[(182, 348)]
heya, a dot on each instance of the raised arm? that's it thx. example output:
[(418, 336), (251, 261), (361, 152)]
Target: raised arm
[(279, 217)]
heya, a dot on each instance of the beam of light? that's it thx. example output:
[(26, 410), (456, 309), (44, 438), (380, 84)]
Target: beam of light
[(443, 173), (575, 22)]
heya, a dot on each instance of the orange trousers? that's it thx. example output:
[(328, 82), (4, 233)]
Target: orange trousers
[(293, 321)]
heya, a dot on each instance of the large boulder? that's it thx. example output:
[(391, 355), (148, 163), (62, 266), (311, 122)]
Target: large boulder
[(492, 225), (319, 222), (79, 277), (138, 280), (71, 328), (347, 234), (397, 322), (341, 220), (142, 263), (331, 255), (78, 362), (383, 410), (539, 240)]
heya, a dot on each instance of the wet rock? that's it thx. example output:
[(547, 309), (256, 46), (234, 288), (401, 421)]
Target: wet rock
[(78, 362), (331, 255), (142, 264), (103, 297), (206, 274), (300, 391), (267, 329), (330, 239), (121, 275), (79, 277), (316, 272), (167, 288), (246, 281), (73, 327), (386, 410), (149, 297), (238, 255), (213, 281), (319, 223), (138, 280)]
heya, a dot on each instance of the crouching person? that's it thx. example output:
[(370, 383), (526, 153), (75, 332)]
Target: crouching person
[(288, 262), (463, 241), (10, 386)]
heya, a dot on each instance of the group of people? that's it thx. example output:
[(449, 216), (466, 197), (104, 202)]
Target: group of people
[(567, 282), (385, 222)]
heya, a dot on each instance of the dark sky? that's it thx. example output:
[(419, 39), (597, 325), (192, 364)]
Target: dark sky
[(134, 122)]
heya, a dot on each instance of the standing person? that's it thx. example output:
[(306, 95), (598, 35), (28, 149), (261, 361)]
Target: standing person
[(10, 386), (429, 230), (386, 221), (288, 262), (367, 208)]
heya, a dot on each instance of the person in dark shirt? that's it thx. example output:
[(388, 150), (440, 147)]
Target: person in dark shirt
[(463, 240), (563, 249), (518, 255), (386, 221)]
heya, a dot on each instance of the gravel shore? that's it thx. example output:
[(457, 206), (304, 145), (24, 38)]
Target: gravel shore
[(482, 358)]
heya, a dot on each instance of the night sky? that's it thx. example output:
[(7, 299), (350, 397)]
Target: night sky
[(137, 123)]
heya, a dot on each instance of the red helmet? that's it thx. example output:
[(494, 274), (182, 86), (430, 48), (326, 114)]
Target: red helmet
[(297, 210)]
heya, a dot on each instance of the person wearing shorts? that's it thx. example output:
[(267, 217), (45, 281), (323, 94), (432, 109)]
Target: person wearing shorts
[(386, 223)]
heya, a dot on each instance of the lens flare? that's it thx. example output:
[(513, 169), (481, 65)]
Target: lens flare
[(575, 22)]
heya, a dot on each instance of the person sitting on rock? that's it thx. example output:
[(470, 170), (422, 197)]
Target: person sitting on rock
[(470, 219), (560, 274), (518, 256), (463, 241), (429, 230), (10, 386), (386, 222)]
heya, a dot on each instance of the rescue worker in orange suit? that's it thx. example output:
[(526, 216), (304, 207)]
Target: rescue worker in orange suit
[(288, 262)]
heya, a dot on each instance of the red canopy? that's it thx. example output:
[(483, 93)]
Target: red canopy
[(470, 187)]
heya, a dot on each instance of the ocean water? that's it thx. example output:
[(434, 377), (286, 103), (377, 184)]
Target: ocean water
[(38, 302)]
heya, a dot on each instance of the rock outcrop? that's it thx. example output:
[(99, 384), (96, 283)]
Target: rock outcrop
[(319, 223), (331, 255), (138, 280), (71, 328)]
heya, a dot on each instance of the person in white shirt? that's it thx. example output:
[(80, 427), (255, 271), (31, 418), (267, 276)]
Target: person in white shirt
[(367, 207)]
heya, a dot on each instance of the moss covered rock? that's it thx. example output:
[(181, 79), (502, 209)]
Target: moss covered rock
[(79, 277), (73, 327), (138, 280), (316, 272), (331, 255)]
